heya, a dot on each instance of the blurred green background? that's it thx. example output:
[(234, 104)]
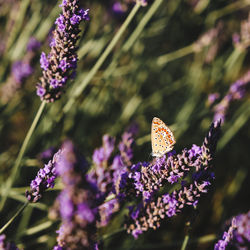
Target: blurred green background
[(159, 67)]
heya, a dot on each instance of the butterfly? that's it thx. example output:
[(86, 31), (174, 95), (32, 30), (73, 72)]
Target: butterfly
[(162, 138)]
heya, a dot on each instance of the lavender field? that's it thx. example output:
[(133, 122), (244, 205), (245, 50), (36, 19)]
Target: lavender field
[(83, 164)]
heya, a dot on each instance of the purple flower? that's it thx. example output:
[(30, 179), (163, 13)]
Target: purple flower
[(33, 44), (21, 70), (67, 209), (136, 233), (212, 98), (125, 146), (40, 91), (53, 83), (85, 212), (4, 245), (226, 238), (64, 3), (45, 179), (44, 61), (60, 64), (194, 151), (77, 203), (145, 180), (102, 154), (106, 210), (47, 154), (118, 8), (109, 172), (236, 91), (242, 232), (63, 65), (75, 19)]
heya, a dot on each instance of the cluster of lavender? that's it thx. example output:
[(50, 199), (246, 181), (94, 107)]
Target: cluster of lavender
[(45, 179), (236, 92), (4, 245), (237, 235), (77, 203), (144, 180), (60, 64), (226, 238), (108, 170), (20, 71), (241, 236)]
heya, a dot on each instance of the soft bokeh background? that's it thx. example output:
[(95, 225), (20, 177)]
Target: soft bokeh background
[(160, 67)]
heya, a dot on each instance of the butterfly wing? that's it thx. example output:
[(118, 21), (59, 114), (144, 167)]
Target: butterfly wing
[(162, 138)]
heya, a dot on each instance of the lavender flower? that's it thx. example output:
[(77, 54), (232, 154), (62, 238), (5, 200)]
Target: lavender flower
[(6, 245), (20, 71), (108, 170), (45, 179), (227, 237), (125, 146), (106, 167), (46, 155), (33, 44), (60, 64), (241, 236), (145, 179), (212, 98), (119, 9), (77, 202), (106, 210), (236, 92)]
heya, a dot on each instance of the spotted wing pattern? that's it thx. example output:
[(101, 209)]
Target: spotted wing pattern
[(162, 138)]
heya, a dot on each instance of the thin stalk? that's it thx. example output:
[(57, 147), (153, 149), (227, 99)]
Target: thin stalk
[(146, 18), (185, 242), (101, 60), (13, 218), (106, 236), (131, 40), (162, 60), (15, 170)]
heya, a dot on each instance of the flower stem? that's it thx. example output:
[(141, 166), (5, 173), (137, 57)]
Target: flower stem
[(101, 60), (162, 60), (13, 218), (185, 242), (15, 170), (186, 239)]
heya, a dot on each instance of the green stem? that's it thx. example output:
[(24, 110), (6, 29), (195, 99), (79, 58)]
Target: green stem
[(136, 33), (142, 24), (13, 218), (162, 60), (185, 242), (101, 60), (15, 170), (106, 236)]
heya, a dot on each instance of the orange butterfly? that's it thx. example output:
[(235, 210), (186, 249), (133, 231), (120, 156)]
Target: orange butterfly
[(162, 138)]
